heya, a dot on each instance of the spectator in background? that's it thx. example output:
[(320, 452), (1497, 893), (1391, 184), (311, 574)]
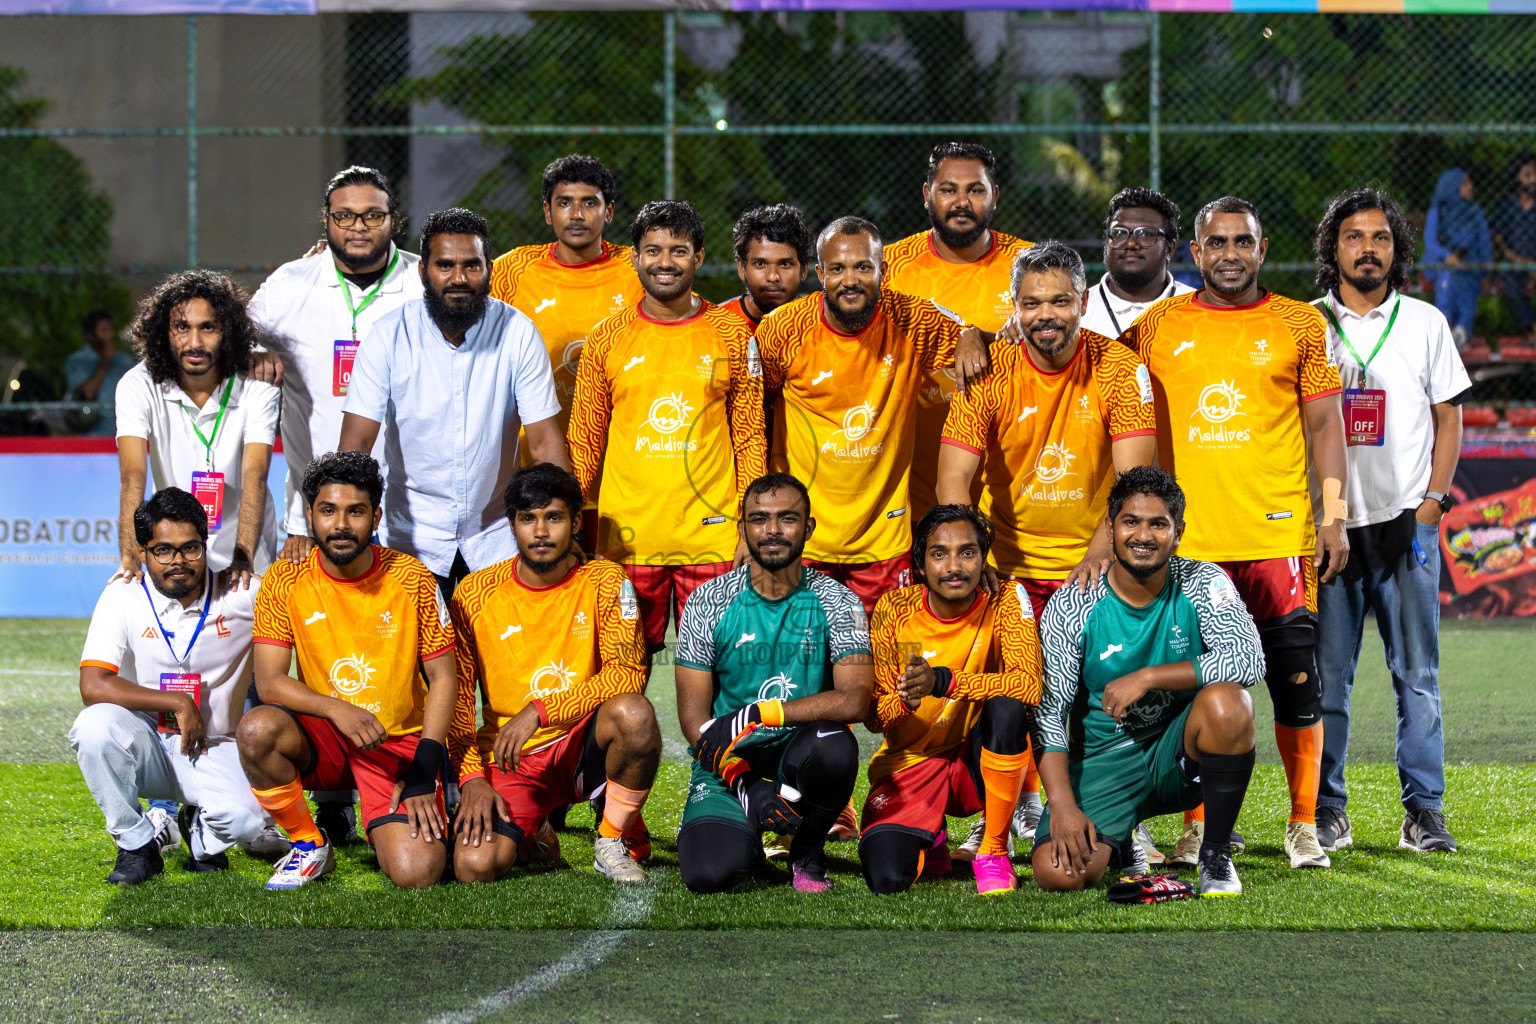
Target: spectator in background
[(1456, 232), (94, 369), (1514, 233)]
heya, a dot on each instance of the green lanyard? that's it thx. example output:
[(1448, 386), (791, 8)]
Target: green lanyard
[(208, 441), (346, 292), (1366, 362)]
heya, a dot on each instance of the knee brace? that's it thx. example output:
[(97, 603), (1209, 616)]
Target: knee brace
[(1289, 650), (1004, 725)]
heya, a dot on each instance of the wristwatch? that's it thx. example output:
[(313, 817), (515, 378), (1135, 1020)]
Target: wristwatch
[(1445, 501)]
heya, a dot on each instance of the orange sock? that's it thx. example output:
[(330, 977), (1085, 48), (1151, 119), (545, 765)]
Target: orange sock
[(1301, 751), (290, 810), (621, 809), (1195, 814), (1031, 773), (1002, 774)]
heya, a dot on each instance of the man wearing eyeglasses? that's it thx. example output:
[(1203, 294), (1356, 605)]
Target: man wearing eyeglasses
[(164, 673), (1141, 234), (314, 314)]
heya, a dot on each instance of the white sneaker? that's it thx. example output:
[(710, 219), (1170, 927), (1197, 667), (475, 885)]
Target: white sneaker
[(167, 832), (1186, 852), (610, 857), (1217, 875), (1143, 838), (1136, 864), (972, 845), (1027, 815), (268, 843), (302, 864), (1302, 847)]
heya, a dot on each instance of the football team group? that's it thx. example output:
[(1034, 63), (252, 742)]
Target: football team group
[(1039, 535)]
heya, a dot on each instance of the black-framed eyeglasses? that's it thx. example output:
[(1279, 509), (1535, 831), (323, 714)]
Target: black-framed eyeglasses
[(1118, 237), (191, 551), (346, 218)]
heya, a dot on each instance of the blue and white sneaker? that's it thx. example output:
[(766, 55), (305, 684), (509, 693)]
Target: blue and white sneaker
[(302, 864)]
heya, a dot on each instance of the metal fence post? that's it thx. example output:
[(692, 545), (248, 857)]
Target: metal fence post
[(1155, 107), (669, 88), (191, 140)]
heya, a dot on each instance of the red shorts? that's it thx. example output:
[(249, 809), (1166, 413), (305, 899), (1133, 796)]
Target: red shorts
[(662, 590), (549, 777), (337, 764), (869, 580), (916, 799), (1276, 590)]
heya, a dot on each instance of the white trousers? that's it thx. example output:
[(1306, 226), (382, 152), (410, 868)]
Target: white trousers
[(123, 758)]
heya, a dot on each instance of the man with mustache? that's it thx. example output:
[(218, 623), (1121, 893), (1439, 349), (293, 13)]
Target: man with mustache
[(773, 661), (667, 425), (1146, 709), (374, 644), (773, 257), (1059, 416), (1141, 236), (449, 379), (551, 645), (163, 676), (957, 671), (1246, 390), (1404, 384), (963, 265), (189, 417)]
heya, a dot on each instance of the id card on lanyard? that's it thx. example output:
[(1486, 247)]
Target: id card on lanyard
[(343, 350), (1365, 408), (208, 485), (180, 682)]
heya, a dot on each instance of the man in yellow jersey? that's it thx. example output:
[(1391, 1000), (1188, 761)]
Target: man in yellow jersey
[(961, 264), (773, 255), (551, 645), (374, 644), (667, 426), (849, 363), (1243, 379), (566, 287), (956, 669)]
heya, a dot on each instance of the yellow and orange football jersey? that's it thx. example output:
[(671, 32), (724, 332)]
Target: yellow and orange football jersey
[(565, 648), (735, 306), (1045, 443), (1230, 383), (565, 301), (981, 294), (667, 431), (849, 415), (359, 640), (993, 650)]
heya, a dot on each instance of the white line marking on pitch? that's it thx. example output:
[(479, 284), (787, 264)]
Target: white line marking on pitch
[(629, 910), (36, 672)]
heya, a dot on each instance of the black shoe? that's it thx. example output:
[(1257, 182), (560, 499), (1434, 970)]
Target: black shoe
[(135, 866), (212, 862), (1334, 831), (557, 818), (1424, 830), (337, 820)]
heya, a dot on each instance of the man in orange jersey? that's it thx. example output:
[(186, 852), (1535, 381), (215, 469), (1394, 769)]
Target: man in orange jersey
[(667, 427), (568, 286), (961, 264), (773, 255), (1243, 379), (553, 647), (373, 636), (956, 670), (849, 364)]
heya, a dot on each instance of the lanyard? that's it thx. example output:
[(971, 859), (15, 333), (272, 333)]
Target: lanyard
[(165, 634), (208, 441), (346, 292), (1104, 295), (1366, 362)]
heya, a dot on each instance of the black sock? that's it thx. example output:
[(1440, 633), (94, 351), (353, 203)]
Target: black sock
[(1223, 782)]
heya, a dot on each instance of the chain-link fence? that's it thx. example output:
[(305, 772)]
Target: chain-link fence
[(135, 146)]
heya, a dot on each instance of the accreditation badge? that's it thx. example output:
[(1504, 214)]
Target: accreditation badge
[(344, 354), (1365, 416), (190, 683), (208, 489)]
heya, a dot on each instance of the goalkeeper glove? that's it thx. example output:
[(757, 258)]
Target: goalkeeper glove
[(767, 811), (718, 737)]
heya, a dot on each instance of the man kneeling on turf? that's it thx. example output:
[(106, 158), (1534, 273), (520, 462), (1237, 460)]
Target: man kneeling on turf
[(554, 647), (367, 624), (164, 673), (956, 672), (1145, 710), (773, 661)]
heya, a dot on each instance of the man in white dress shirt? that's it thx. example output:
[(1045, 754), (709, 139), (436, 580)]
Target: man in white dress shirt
[(449, 378), (1141, 235), (313, 313)]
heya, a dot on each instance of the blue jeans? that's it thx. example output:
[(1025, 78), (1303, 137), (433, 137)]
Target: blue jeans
[(1406, 599), (1456, 293), (1519, 302)]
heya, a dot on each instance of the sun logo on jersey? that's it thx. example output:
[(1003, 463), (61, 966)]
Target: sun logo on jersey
[(551, 679), (1219, 402), (779, 687), (570, 356), (350, 676), (857, 422), (1053, 463), (669, 413)]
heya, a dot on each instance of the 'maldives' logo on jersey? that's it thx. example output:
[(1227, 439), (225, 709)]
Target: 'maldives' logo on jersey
[(551, 679), (1052, 465), (666, 416), (350, 676), (1218, 403), (779, 687), (857, 439)]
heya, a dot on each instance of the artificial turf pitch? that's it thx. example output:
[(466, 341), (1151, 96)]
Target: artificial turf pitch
[(1385, 935)]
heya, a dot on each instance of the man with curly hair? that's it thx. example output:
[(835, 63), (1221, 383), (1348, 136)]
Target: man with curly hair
[(188, 416)]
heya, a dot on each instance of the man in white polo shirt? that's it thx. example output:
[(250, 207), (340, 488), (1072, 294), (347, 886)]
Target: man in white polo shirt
[(164, 674), (1404, 384), (189, 417), (449, 378), (1141, 235), (312, 314)]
